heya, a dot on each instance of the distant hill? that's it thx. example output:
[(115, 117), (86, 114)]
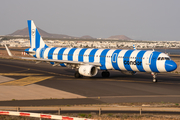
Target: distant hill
[(25, 32), (119, 37), (87, 37)]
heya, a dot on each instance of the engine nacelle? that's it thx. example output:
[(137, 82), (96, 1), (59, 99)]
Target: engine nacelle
[(129, 72), (88, 70)]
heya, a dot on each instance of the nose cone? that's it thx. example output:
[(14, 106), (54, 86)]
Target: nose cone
[(170, 65)]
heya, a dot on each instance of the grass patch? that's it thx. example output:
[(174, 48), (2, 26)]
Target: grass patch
[(162, 102), (89, 116), (82, 115), (177, 104), (110, 115)]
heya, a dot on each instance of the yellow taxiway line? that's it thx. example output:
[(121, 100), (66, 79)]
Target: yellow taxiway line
[(26, 81), (19, 74), (37, 70)]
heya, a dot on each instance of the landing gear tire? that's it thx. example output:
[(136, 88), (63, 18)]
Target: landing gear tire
[(154, 80), (105, 74), (77, 75), (154, 77)]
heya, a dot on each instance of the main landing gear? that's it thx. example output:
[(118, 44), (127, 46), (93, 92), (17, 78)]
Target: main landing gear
[(77, 75), (154, 77), (105, 74)]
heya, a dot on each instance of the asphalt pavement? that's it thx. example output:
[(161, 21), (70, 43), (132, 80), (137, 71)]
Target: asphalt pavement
[(118, 88)]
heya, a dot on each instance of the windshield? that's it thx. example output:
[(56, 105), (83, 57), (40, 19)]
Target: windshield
[(164, 58)]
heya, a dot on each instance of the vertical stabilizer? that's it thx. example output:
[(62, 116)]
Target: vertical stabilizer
[(36, 40)]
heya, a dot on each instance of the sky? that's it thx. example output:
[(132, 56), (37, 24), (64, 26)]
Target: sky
[(154, 20)]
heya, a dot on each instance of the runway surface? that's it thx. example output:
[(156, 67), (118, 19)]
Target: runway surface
[(24, 83)]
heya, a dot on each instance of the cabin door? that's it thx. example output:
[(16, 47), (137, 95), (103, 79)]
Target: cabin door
[(114, 57), (149, 58)]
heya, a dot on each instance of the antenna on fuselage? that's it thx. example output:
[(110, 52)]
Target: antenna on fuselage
[(153, 48)]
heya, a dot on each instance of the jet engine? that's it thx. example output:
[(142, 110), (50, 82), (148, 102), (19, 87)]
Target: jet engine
[(88, 70), (129, 72)]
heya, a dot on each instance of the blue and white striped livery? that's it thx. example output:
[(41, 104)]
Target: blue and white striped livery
[(87, 61)]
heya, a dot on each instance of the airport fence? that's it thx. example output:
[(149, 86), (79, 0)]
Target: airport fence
[(100, 110), (38, 115)]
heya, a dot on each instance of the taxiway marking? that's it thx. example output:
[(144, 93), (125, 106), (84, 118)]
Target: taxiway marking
[(26, 81), (37, 70), (129, 81), (19, 74)]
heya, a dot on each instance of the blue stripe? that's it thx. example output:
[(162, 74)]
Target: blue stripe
[(126, 60), (115, 64), (45, 46), (103, 59), (139, 63), (60, 55), (29, 27), (81, 54), (153, 60), (34, 49), (92, 55), (70, 54), (62, 64), (42, 52), (50, 54), (27, 50), (37, 39)]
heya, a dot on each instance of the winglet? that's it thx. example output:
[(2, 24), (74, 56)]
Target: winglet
[(8, 51)]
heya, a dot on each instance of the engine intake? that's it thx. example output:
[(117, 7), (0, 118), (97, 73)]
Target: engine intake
[(88, 70)]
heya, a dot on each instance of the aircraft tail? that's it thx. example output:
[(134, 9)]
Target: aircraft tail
[(36, 40)]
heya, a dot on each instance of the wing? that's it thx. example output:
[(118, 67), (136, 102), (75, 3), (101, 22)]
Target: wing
[(56, 62), (62, 61)]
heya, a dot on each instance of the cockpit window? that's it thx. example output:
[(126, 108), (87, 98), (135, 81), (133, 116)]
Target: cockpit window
[(166, 58), (163, 58)]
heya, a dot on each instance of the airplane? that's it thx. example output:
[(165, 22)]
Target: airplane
[(88, 61)]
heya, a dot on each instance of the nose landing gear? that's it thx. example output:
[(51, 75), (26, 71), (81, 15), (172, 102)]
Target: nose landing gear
[(154, 77)]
